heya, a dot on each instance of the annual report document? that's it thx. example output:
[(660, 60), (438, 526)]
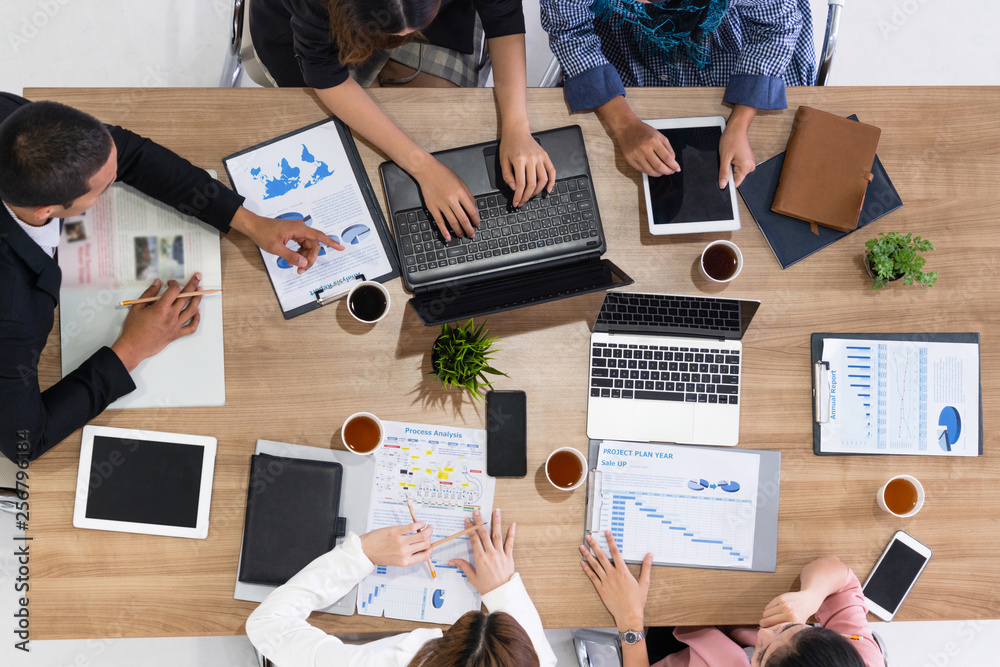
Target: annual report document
[(688, 506), (308, 176), (112, 253), (442, 470), (900, 397)]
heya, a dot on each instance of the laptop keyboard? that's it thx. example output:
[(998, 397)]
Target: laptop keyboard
[(548, 225), (665, 373), (624, 308)]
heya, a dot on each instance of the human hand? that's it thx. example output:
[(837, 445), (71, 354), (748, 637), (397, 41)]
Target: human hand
[(493, 554), (448, 199), (398, 545), (526, 166), (646, 149), (150, 327), (794, 607), (622, 594), (272, 235), (734, 149)]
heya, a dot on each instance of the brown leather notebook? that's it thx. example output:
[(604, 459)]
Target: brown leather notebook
[(828, 165)]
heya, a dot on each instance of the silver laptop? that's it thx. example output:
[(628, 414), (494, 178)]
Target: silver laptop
[(666, 368)]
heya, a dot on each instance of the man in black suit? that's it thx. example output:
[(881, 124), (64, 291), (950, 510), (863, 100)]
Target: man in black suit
[(55, 162)]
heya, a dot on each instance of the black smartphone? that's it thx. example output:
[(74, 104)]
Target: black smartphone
[(506, 434)]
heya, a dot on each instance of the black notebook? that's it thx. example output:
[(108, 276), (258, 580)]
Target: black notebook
[(293, 517), (792, 239)]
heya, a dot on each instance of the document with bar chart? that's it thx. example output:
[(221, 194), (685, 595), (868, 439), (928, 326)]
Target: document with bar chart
[(900, 397), (442, 470), (689, 506)]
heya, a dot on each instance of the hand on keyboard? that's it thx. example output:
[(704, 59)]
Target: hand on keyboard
[(526, 166), (448, 199)]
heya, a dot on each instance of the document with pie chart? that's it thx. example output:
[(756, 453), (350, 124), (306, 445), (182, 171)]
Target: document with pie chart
[(901, 397), (442, 470), (313, 175), (688, 506)]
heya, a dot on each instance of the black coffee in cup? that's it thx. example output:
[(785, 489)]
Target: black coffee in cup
[(367, 303)]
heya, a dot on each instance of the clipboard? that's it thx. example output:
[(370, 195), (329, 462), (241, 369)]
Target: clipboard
[(765, 547), (816, 352), (329, 292)]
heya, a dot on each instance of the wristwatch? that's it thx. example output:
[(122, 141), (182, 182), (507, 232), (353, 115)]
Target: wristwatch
[(631, 637)]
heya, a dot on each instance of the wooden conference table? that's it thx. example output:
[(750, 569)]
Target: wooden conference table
[(296, 381)]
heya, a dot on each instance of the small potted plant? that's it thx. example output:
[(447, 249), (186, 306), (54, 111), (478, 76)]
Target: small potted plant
[(461, 358), (893, 256)]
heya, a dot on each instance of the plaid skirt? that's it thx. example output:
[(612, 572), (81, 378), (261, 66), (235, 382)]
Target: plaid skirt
[(462, 69)]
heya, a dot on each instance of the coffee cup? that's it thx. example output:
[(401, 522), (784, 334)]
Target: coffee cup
[(566, 468), (901, 496), (721, 261), (368, 301), (362, 433)]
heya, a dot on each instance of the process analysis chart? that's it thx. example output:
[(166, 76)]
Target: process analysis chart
[(442, 471)]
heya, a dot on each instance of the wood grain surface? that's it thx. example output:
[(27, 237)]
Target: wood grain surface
[(296, 381)]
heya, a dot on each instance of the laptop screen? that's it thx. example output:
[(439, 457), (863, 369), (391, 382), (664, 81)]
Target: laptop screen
[(672, 314), (455, 302)]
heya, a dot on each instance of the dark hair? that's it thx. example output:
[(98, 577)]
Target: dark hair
[(816, 647), (479, 640), (48, 154), (361, 27)]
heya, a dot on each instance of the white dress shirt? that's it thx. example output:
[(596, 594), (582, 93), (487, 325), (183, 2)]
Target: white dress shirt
[(46, 236), (280, 630)]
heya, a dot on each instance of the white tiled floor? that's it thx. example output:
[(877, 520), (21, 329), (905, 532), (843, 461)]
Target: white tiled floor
[(184, 43)]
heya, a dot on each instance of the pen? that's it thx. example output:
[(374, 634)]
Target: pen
[(413, 514), (854, 637), (150, 299)]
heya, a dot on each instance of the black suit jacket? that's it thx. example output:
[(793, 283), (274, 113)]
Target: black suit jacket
[(33, 421)]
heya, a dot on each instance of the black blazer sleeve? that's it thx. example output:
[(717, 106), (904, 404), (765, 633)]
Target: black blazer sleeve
[(453, 27), (500, 17), (35, 421), (162, 174)]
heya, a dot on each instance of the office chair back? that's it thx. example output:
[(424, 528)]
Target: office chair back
[(243, 57)]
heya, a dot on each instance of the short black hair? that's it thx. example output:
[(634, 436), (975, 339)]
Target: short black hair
[(816, 647), (48, 154)]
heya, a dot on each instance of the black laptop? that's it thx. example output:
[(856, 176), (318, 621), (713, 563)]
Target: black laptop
[(548, 249)]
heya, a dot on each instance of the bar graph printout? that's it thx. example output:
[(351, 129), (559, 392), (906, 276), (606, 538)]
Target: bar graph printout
[(442, 470), (688, 506), (900, 397)]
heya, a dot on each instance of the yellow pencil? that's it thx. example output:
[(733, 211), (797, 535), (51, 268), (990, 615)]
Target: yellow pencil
[(461, 533), (150, 299), (413, 514), (854, 638)]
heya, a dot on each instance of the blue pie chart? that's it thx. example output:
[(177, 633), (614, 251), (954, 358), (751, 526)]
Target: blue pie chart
[(438, 599), (730, 487), (698, 484), (951, 428), (355, 234)]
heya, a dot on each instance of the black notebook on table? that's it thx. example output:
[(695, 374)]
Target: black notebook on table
[(792, 239), (292, 518)]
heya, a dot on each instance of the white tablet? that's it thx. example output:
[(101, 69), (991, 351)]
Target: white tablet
[(690, 201), (144, 482)]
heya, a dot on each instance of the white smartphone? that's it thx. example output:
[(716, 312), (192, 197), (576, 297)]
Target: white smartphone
[(894, 574)]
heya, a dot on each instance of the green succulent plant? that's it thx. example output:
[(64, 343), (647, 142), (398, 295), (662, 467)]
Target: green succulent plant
[(461, 358), (892, 256)]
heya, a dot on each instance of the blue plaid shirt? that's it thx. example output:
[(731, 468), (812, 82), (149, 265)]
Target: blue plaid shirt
[(760, 47)]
